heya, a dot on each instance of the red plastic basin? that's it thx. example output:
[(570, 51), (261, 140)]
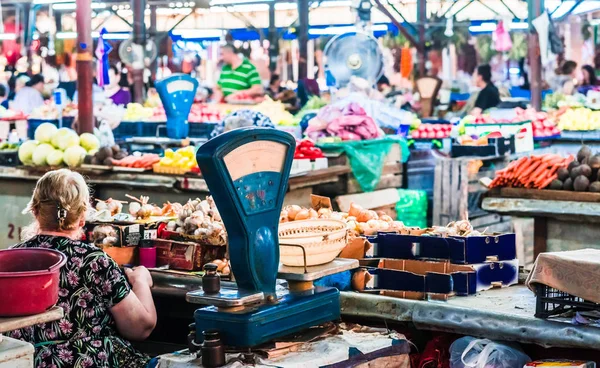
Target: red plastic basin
[(29, 279)]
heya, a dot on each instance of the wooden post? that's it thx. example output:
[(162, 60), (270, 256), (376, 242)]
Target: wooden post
[(421, 19), (139, 38), (535, 8), (303, 39), (84, 65)]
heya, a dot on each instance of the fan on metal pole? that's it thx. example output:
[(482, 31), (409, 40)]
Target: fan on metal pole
[(353, 54), (138, 56)]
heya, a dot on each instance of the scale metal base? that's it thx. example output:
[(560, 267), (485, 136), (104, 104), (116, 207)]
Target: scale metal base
[(254, 326), (246, 319)]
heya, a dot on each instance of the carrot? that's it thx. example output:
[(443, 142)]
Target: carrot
[(539, 171), (520, 168), (550, 157), (554, 169), (529, 169), (543, 184)]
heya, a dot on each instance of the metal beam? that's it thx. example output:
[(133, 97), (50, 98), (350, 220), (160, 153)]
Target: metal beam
[(273, 41), (570, 11), (303, 39), (154, 65), (398, 25), (402, 16), (510, 10), (464, 7), (421, 19), (84, 66), (535, 8), (139, 38), (120, 17)]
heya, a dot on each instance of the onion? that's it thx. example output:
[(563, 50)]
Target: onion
[(312, 214), (226, 270), (293, 211), (303, 214), (354, 210)]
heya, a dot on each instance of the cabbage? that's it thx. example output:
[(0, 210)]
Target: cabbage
[(55, 158), (40, 154), (45, 132), (89, 142), (65, 138), (74, 156), (26, 151)]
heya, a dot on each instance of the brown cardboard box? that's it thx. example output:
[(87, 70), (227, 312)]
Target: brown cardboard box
[(186, 256)]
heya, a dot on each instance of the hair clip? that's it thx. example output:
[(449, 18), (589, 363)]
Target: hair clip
[(62, 213)]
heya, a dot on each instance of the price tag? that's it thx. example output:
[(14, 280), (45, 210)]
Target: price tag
[(150, 234)]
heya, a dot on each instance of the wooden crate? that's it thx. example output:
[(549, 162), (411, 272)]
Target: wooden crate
[(456, 187)]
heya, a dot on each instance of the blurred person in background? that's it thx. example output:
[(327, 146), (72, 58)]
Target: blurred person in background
[(3, 96), (239, 78), (113, 90), (488, 96), (589, 80), (31, 96)]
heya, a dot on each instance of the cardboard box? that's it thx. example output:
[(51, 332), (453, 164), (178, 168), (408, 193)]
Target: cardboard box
[(127, 235), (300, 166), (459, 250), (186, 256), (417, 279), (523, 133)]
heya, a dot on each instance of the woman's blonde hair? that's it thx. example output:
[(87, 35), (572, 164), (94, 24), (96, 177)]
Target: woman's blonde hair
[(59, 200)]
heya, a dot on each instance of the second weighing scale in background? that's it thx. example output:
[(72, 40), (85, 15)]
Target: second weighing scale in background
[(247, 173), (177, 94)]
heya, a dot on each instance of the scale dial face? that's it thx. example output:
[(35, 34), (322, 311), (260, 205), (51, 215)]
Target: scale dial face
[(255, 169)]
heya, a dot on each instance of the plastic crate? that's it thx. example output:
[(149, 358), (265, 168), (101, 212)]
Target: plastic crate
[(552, 302), (9, 158), (201, 130), (33, 124), (128, 129)]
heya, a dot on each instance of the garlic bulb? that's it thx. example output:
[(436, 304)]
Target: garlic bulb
[(134, 207)]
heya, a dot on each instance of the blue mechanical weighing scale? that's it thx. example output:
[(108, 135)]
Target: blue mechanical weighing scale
[(247, 173), (177, 94)]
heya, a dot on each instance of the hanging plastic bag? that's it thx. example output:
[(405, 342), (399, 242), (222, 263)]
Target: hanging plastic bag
[(501, 38), (470, 352)]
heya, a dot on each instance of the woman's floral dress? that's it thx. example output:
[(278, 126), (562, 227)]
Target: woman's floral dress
[(90, 284)]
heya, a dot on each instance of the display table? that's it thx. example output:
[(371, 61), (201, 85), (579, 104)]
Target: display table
[(17, 184), (501, 314), (14, 323), (20, 354), (563, 220)]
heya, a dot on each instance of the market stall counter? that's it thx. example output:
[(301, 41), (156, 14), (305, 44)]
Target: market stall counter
[(500, 314), (563, 220), (17, 183)]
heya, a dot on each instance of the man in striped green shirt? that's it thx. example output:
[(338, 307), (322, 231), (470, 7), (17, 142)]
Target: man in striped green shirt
[(238, 79)]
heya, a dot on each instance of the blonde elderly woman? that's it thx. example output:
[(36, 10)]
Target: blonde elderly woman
[(103, 306)]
